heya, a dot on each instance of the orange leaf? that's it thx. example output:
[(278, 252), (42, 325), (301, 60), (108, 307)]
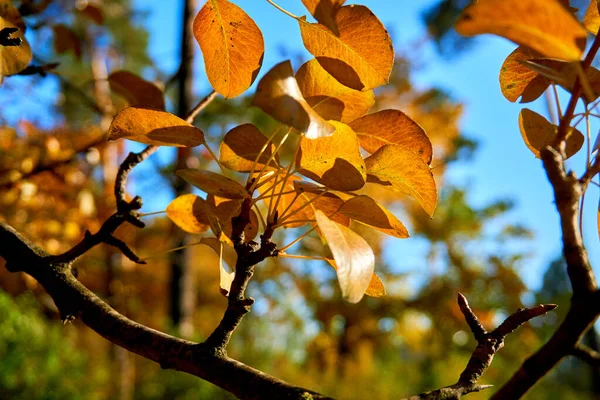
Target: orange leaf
[(353, 256), (403, 171), (325, 11), (538, 133), (279, 96), (545, 26), (189, 213), (223, 210), (334, 161), (361, 57), (376, 287), (329, 98), (591, 20), (518, 80), (136, 90), (392, 127), (232, 46), (367, 211), (241, 147), (13, 59), (149, 126), (213, 183)]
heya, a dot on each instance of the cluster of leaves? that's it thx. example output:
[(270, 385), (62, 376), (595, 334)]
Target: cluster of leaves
[(338, 148)]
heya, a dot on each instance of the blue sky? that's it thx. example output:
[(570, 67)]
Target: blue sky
[(503, 167)]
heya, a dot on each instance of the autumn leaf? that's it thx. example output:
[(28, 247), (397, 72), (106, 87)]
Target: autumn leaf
[(325, 11), (333, 161), (93, 13), (518, 80), (542, 25), (367, 211), (279, 96), (13, 59), (403, 171), (376, 287), (222, 211), (227, 262), (232, 46), (591, 20), (353, 257), (538, 133), (66, 40), (136, 90), (213, 183), (392, 127), (361, 56), (329, 98), (242, 145), (189, 213), (156, 127)]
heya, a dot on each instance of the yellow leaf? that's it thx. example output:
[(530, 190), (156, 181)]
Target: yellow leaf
[(334, 161), (367, 211), (376, 287), (149, 126), (279, 96), (189, 213), (518, 80), (353, 257), (232, 46), (591, 20), (13, 59), (136, 90), (223, 210), (538, 133), (361, 56), (329, 98), (403, 171), (213, 183), (241, 147), (325, 11), (543, 25), (392, 127), (226, 271)]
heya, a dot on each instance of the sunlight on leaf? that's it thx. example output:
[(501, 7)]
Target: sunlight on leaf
[(376, 287), (222, 211), (329, 98), (213, 183), (136, 90), (367, 211), (353, 257), (227, 268), (13, 59), (403, 171), (325, 11), (232, 46), (156, 127), (538, 133), (392, 127), (591, 20), (361, 56), (189, 213), (518, 80), (545, 26), (279, 96), (241, 146)]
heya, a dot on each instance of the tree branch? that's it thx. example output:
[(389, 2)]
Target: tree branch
[(587, 354)]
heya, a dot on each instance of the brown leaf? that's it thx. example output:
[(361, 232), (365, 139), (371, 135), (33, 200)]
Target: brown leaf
[(232, 46), (538, 133), (333, 161), (94, 13), (518, 80), (329, 98), (66, 40), (361, 56), (325, 11), (213, 183), (241, 147), (279, 96), (545, 26), (189, 213), (403, 171), (565, 74), (367, 211), (376, 287), (156, 127), (224, 210), (136, 90), (392, 127), (353, 257)]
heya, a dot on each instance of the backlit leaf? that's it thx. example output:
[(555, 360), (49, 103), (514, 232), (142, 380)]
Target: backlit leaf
[(538, 133), (232, 46), (213, 183), (329, 98), (136, 90), (150, 126), (367, 211), (224, 210), (334, 161), (376, 287), (591, 20), (241, 147), (361, 56), (279, 96), (189, 213), (518, 80), (543, 25), (325, 11), (353, 257), (403, 171), (13, 59), (392, 127), (227, 268)]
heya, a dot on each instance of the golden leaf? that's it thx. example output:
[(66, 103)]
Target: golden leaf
[(518, 80), (403, 171), (329, 98), (591, 20), (213, 183), (241, 147), (13, 59), (223, 210), (367, 211), (353, 257), (361, 56), (136, 90), (156, 127), (232, 46), (376, 287), (279, 96), (543, 25), (189, 213), (325, 11)]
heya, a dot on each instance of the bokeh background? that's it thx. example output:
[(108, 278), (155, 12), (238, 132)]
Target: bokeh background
[(495, 235)]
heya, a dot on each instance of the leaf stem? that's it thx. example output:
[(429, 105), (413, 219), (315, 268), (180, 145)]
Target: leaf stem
[(152, 213), (285, 255), (286, 12)]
